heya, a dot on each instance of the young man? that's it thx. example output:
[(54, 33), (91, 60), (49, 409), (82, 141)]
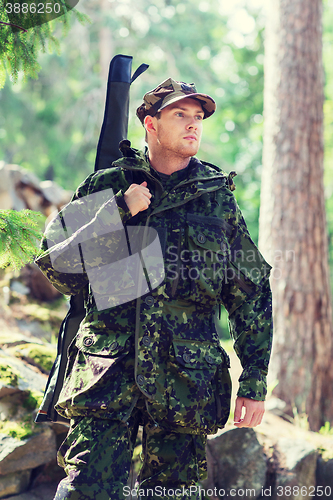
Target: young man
[(147, 352)]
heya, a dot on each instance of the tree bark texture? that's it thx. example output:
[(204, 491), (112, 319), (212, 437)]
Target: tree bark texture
[(293, 234)]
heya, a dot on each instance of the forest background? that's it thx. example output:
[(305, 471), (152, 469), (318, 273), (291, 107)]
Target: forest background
[(50, 125)]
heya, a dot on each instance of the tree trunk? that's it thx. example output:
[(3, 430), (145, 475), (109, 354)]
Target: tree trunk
[(293, 232)]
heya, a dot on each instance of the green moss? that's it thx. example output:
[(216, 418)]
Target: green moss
[(326, 453), (32, 400), (42, 356), (20, 424), (44, 314), (8, 375), (326, 430), (19, 430)]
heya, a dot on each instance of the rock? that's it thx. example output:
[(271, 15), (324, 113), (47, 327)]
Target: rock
[(20, 188), (48, 473), (18, 455), (40, 355), (41, 492), (12, 484), (55, 194), (8, 405), (297, 467), (31, 327), (8, 196), (15, 375), (275, 405), (13, 339), (32, 197), (239, 463), (9, 378), (19, 288)]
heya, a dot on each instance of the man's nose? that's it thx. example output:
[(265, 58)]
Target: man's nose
[(192, 123)]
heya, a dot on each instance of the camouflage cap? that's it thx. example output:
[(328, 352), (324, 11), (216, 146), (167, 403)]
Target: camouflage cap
[(171, 91)]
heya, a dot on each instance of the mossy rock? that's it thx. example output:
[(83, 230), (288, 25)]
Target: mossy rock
[(43, 314), (18, 420), (18, 430), (8, 375), (40, 355), (11, 339)]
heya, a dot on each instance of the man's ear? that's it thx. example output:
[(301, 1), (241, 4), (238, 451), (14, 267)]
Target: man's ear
[(149, 124)]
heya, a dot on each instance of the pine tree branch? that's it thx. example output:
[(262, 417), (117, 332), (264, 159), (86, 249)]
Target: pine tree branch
[(19, 237), (19, 49)]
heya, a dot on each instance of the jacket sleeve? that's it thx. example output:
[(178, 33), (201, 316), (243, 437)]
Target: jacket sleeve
[(88, 232), (246, 296)]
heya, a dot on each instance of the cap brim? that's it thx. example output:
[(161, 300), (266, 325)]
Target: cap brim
[(207, 102)]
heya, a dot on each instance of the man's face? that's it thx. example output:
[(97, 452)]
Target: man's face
[(179, 128)]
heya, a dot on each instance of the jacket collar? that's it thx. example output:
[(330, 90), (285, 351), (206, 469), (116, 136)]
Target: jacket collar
[(199, 171)]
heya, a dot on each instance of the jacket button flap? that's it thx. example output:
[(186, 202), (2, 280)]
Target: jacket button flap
[(209, 237), (197, 355), (103, 344)]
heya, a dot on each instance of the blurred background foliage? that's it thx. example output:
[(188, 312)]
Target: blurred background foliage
[(51, 125)]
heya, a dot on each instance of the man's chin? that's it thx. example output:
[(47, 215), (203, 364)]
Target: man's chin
[(189, 150)]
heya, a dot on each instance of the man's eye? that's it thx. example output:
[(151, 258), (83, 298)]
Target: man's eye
[(199, 117), (179, 113)]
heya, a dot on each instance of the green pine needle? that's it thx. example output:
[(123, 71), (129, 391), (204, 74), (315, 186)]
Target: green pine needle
[(19, 50), (19, 237)]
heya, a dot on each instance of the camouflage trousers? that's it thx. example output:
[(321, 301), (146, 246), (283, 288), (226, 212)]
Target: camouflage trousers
[(97, 454)]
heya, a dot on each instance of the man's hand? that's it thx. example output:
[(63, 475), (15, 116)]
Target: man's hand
[(254, 411), (137, 197)]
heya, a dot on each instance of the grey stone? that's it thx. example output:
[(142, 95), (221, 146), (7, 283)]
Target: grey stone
[(18, 455), (6, 407), (20, 188), (238, 462), (33, 327), (29, 378), (12, 484), (297, 468), (276, 406), (41, 492), (20, 288), (54, 193), (7, 390)]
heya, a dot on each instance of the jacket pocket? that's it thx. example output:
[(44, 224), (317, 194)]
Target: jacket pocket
[(94, 361), (205, 261), (193, 388)]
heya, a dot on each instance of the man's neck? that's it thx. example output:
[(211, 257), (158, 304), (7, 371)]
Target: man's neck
[(167, 165)]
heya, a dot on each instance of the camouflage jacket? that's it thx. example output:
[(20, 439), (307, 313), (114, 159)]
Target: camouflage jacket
[(159, 341)]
